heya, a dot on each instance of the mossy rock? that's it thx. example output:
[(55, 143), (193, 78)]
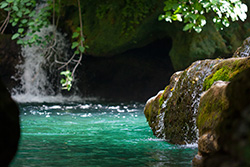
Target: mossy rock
[(114, 27), (212, 103), (224, 112), (154, 108), (226, 70), (151, 112)]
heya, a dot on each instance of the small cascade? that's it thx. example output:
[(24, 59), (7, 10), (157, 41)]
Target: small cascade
[(175, 119), (38, 74), (244, 50), (172, 114)]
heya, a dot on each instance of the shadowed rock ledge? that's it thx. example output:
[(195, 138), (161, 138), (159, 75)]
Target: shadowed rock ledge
[(9, 127)]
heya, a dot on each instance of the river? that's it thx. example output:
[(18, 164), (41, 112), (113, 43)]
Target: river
[(93, 134)]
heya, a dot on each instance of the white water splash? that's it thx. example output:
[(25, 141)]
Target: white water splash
[(39, 74)]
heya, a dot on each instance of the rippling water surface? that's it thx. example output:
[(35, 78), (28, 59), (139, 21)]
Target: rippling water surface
[(93, 134)]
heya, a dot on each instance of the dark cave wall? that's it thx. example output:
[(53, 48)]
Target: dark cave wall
[(132, 75)]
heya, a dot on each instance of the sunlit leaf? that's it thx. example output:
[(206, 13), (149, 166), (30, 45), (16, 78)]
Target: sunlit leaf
[(15, 36), (188, 26)]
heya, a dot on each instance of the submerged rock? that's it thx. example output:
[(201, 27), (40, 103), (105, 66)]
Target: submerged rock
[(9, 127)]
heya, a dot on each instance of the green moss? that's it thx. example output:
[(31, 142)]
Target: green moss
[(212, 105), (226, 71), (221, 74), (162, 99), (133, 13)]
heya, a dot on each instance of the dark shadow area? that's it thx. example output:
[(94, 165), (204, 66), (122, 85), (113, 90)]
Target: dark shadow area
[(135, 75)]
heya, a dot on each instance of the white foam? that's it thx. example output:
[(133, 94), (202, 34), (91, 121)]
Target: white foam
[(29, 98)]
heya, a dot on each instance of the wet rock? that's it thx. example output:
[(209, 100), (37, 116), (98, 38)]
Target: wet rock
[(244, 49), (198, 160), (9, 127), (208, 144), (212, 103), (226, 70), (224, 112), (177, 107)]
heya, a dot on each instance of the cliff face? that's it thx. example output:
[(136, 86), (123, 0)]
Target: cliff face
[(113, 27)]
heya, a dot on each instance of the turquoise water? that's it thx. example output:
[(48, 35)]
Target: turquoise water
[(95, 135)]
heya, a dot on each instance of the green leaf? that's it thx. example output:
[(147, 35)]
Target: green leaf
[(24, 21), (3, 5), (28, 4), (161, 17), (82, 49), (75, 35), (26, 11), (74, 45), (20, 30), (15, 8), (188, 26), (76, 52), (67, 72), (19, 14), (15, 36), (82, 39), (9, 1), (20, 42)]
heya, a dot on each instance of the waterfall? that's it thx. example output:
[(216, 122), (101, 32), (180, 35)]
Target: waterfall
[(38, 74)]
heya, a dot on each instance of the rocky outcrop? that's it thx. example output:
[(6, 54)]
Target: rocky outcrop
[(9, 127), (210, 97), (113, 27), (172, 113), (224, 113)]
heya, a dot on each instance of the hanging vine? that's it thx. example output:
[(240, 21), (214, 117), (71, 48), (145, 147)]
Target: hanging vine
[(24, 15)]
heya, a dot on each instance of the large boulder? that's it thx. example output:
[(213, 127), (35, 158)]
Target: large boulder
[(171, 115), (9, 127), (224, 113)]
